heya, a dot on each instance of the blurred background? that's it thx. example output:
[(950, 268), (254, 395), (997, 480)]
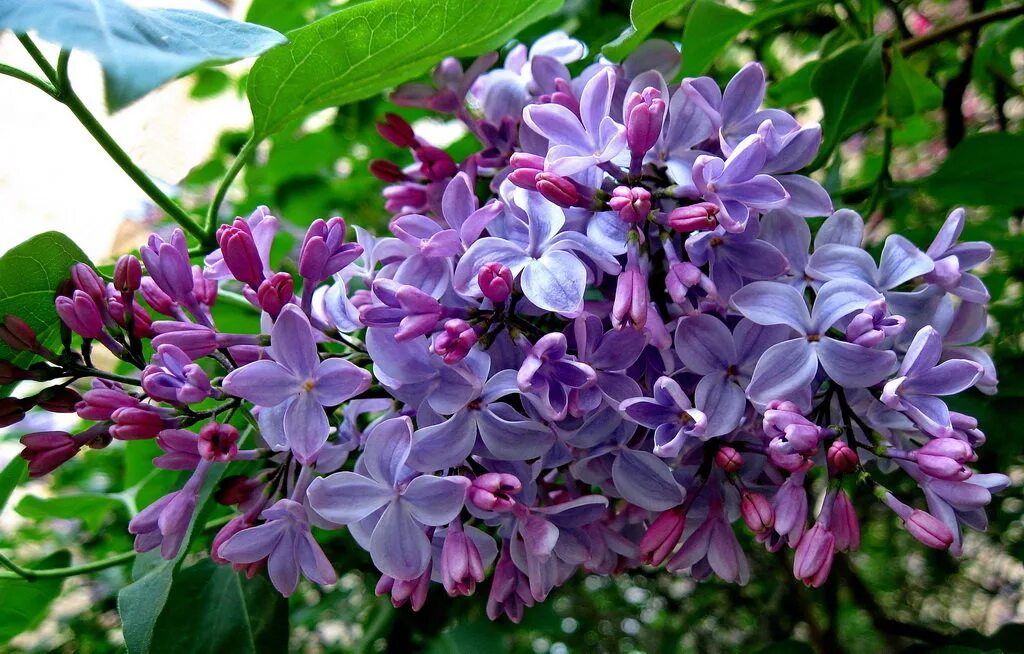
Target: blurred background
[(892, 595)]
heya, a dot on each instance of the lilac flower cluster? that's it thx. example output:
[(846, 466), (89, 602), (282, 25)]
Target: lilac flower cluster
[(607, 339)]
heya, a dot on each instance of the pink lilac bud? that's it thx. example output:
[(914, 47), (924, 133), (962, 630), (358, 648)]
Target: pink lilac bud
[(461, 566), (275, 292), (57, 399), (181, 450), (632, 297), (435, 164), (218, 442), (943, 458), (844, 523), (794, 438), (139, 422), (235, 525), (644, 115), (17, 335), (45, 451), (87, 281), (842, 459), (493, 491), (12, 410), (413, 591), (80, 313), (966, 428), (456, 341), (695, 217), (397, 130), (510, 589), (160, 302), (203, 288), (872, 326), (632, 204), (10, 373), (241, 255), (525, 178), (128, 274), (814, 554), (387, 171), (168, 264), (142, 322), (324, 250), (237, 490), (559, 190), (101, 402), (405, 198), (495, 281), (526, 160), (662, 536), (923, 526), (728, 459), (757, 512), (414, 312)]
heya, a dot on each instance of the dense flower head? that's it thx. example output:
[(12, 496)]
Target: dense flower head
[(604, 340)]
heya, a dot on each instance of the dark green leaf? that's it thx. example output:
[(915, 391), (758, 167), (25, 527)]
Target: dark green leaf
[(644, 16), (139, 49), (25, 603), (909, 91), (209, 83), (29, 275), (983, 170), (93, 509), (362, 50), (222, 616), (710, 27), (850, 85), (13, 474)]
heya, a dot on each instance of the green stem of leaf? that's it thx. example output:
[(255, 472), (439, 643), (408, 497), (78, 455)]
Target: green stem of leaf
[(229, 176), (42, 85), (50, 573)]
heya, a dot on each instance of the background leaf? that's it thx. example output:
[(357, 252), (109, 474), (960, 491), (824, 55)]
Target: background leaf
[(24, 602), (909, 91), (362, 50), (850, 84), (15, 472), (29, 275), (93, 509), (139, 49), (984, 169), (644, 17), (710, 28)]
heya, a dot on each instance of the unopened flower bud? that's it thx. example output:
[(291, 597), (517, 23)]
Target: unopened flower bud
[(644, 115), (814, 554), (455, 342), (632, 204), (87, 281), (240, 253), (435, 163), (844, 523), (495, 281), (275, 292), (128, 274), (57, 399), (923, 526), (525, 178), (17, 335), (46, 451), (11, 411), (559, 190), (461, 565), (757, 512), (662, 536), (632, 297), (236, 489), (526, 160), (387, 171), (872, 326), (139, 422), (80, 313), (694, 217), (728, 459), (842, 459), (397, 130), (943, 458), (493, 491)]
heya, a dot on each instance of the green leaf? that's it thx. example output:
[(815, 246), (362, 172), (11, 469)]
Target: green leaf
[(25, 602), (13, 474), (983, 170), (850, 85), (221, 615), (909, 91), (644, 16), (139, 49), (29, 275), (710, 27), (141, 602), (362, 50), (92, 509)]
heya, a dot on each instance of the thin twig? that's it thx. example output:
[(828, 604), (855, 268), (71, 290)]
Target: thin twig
[(970, 22)]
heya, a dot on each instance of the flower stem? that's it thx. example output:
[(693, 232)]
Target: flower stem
[(973, 21), (222, 189), (54, 573), (42, 85)]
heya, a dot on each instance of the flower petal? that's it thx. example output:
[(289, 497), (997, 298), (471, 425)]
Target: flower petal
[(435, 501), (854, 366), (772, 303), (347, 497), (399, 547)]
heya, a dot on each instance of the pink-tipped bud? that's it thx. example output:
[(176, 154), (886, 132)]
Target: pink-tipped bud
[(241, 256), (387, 171), (560, 190), (461, 565), (943, 458), (632, 204), (844, 523), (57, 399), (662, 536), (128, 274), (397, 130), (526, 160), (928, 530), (80, 313), (139, 422), (435, 163), (525, 178), (632, 298), (236, 489), (493, 491), (87, 281), (454, 343), (757, 512), (728, 459), (17, 335), (842, 459), (45, 451), (495, 281), (275, 292), (12, 410), (644, 115), (814, 555), (218, 442), (692, 218)]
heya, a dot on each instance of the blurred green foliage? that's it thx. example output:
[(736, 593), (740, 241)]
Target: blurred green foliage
[(913, 127)]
